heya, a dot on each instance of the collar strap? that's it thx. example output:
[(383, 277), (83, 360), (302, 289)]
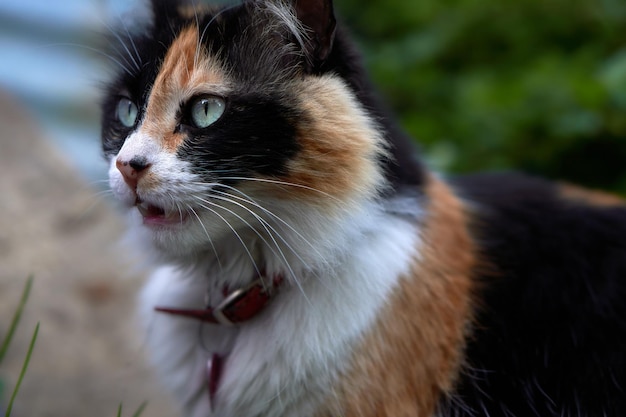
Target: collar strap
[(237, 307)]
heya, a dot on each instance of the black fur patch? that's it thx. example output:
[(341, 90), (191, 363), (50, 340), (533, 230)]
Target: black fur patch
[(550, 335), (258, 133), (149, 50)]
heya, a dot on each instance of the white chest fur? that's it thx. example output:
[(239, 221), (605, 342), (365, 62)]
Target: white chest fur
[(283, 362)]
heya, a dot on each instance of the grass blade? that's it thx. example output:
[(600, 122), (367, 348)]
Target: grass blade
[(140, 409), (24, 367), (119, 410), (16, 318)]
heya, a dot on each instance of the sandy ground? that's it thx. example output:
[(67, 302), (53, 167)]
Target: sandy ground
[(88, 357)]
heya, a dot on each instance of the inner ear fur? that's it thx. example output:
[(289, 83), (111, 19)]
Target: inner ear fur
[(319, 17)]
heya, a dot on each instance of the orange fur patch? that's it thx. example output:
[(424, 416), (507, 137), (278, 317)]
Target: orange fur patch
[(339, 145), (186, 71), (414, 353), (591, 197)]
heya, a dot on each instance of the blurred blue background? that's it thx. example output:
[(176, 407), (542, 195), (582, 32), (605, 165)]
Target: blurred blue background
[(534, 85), (46, 63)]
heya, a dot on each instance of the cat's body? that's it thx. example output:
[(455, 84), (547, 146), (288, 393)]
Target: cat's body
[(249, 144)]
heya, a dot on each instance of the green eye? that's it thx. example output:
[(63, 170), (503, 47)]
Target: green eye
[(127, 112), (206, 111)]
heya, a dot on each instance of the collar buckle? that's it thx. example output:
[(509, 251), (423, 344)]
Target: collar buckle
[(237, 307), (243, 303)]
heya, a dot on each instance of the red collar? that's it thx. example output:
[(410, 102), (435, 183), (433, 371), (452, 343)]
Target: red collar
[(237, 307)]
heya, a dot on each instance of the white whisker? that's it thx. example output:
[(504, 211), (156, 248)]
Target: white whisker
[(132, 43), (180, 212), (100, 194), (281, 222), (289, 184), (248, 199), (263, 223), (254, 264), (89, 48), (98, 197), (240, 218), (95, 182), (121, 41), (206, 232), (197, 53), (135, 58), (209, 24)]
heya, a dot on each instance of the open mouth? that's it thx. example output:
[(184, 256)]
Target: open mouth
[(158, 216)]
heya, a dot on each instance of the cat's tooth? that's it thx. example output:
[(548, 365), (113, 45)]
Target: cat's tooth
[(143, 209)]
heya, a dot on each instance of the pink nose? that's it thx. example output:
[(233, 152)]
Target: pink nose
[(132, 170)]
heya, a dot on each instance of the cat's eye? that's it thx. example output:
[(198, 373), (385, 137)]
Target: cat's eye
[(205, 111), (127, 112)]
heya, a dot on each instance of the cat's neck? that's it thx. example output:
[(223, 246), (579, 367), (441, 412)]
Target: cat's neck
[(348, 275), (295, 247)]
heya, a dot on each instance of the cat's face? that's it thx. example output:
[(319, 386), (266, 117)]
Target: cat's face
[(220, 115)]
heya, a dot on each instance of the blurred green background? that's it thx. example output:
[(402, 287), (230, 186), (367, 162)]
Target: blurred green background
[(534, 85)]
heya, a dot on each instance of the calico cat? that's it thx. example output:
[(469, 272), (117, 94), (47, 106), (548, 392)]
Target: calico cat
[(308, 264)]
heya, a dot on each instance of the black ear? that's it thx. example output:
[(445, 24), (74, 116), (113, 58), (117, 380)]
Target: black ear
[(318, 16), (163, 10)]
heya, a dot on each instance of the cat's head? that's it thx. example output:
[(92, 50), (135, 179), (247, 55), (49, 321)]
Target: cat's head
[(221, 116)]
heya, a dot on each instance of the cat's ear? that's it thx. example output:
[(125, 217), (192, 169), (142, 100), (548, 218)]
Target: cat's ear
[(318, 16), (163, 10)]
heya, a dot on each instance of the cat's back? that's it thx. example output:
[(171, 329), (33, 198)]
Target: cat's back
[(550, 328)]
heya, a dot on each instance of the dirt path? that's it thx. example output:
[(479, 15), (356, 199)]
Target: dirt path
[(88, 357)]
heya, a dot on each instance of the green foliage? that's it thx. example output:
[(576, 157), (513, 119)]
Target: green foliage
[(536, 85), (23, 371), (137, 413), (16, 318), (7, 342)]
